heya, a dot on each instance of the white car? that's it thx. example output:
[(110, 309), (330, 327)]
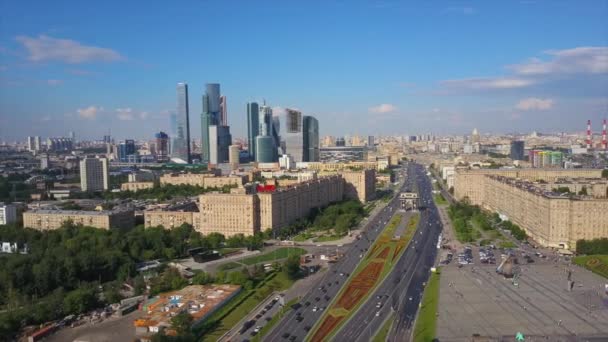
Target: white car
[(315, 309), (377, 313), (257, 329)]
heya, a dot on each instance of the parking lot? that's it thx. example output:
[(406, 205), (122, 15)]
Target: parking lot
[(474, 299)]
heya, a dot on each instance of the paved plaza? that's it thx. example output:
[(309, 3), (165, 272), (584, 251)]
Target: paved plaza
[(476, 301)]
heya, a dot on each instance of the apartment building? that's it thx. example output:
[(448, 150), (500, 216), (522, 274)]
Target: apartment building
[(136, 186), (53, 219), (170, 219), (205, 180)]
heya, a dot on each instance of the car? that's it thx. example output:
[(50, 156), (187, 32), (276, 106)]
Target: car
[(253, 333), (307, 328), (307, 303), (317, 299), (258, 316), (285, 335), (268, 318), (377, 313), (411, 298), (379, 305), (257, 329), (315, 309), (299, 318), (292, 338), (327, 297)]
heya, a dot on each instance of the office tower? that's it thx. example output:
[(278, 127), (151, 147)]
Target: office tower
[(173, 132), (253, 127), (294, 137), (219, 142), (517, 150), (94, 174), (107, 139), (162, 146), (209, 117), (180, 147), (311, 138), (340, 142), (223, 111), (72, 136), (370, 141), (125, 149), (266, 152), (59, 144), (233, 156)]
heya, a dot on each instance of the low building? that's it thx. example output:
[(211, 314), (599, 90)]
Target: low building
[(136, 186), (204, 180), (199, 301), (169, 219), (52, 219)]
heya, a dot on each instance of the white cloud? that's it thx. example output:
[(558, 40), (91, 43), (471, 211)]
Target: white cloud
[(488, 83), (585, 60), (89, 113), (54, 82), (143, 115), (383, 108), (44, 48), (124, 114), (534, 103)]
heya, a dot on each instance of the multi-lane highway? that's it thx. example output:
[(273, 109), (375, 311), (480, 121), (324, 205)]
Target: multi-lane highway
[(293, 328), (402, 288)]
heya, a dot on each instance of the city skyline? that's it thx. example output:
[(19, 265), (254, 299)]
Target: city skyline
[(379, 68)]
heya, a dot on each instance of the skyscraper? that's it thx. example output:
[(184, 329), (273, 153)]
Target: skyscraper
[(294, 136), (253, 127), (94, 174), (517, 150), (31, 144), (180, 149), (223, 111), (233, 156), (162, 146), (209, 117), (125, 149), (311, 139), (220, 140)]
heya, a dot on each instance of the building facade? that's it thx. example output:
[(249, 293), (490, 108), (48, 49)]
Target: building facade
[(311, 139), (54, 219), (229, 214), (94, 174), (180, 147), (8, 213), (169, 219), (253, 126), (136, 186), (294, 135), (517, 150)]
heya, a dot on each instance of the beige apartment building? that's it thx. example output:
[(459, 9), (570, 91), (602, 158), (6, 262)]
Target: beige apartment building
[(53, 219), (136, 186), (205, 180), (170, 219), (359, 185), (318, 166), (229, 214), (551, 219)]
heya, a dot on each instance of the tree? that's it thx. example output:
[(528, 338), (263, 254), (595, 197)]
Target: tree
[(181, 323), (80, 300), (292, 267), (605, 173), (202, 278)]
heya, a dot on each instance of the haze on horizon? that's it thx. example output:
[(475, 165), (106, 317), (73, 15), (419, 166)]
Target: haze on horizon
[(368, 67)]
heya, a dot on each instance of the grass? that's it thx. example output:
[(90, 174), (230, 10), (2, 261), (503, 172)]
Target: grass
[(439, 200), (424, 331), (240, 306), (279, 253), (228, 266), (506, 244), (368, 208), (384, 240), (303, 236), (227, 250), (597, 263), (384, 330), (275, 319)]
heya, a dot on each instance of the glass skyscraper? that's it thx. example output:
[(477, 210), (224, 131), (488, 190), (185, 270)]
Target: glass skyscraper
[(180, 148), (209, 117), (311, 139), (517, 150), (253, 126), (294, 136)]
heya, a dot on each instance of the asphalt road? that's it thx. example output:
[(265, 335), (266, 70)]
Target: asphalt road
[(327, 288), (404, 281)]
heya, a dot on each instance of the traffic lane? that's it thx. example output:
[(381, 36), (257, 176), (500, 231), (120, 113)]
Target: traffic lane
[(259, 322), (289, 323)]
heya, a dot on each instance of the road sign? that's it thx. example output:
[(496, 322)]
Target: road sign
[(519, 336)]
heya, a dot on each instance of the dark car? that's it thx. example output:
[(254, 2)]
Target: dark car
[(292, 338), (307, 304), (317, 299), (307, 328), (285, 335)]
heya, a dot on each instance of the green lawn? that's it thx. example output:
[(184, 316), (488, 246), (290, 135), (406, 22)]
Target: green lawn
[(243, 304), (439, 200), (326, 238), (384, 330), (275, 319), (597, 263), (506, 244), (426, 323), (279, 253)]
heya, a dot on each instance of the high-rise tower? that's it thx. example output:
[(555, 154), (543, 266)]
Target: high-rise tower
[(294, 136), (253, 127), (589, 142), (311, 138), (209, 117), (180, 147)]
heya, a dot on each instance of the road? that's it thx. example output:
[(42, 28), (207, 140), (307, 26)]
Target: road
[(402, 288), (327, 288)]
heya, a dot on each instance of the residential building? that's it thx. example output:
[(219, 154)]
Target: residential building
[(229, 214), (8, 213), (136, 186), (94, 174), (170, 219), (162, 146), (234, 154), (205, 180), (53, 219), (180, 146)]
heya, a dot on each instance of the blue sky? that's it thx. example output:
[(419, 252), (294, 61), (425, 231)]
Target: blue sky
[(360, 67)]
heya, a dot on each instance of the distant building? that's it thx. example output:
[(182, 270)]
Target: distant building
[(162, 146), (220, 140), (234, 155), (311, 138), (265, 149), (8, 213), (53, 219), (180, 146), (294, 135), (253, 126), (546, 159), (210, 117), (136, 186), (126, 149), (223, 111), (517, 150), (94, 174), (370, 141), (286, 162), (59, 144)]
